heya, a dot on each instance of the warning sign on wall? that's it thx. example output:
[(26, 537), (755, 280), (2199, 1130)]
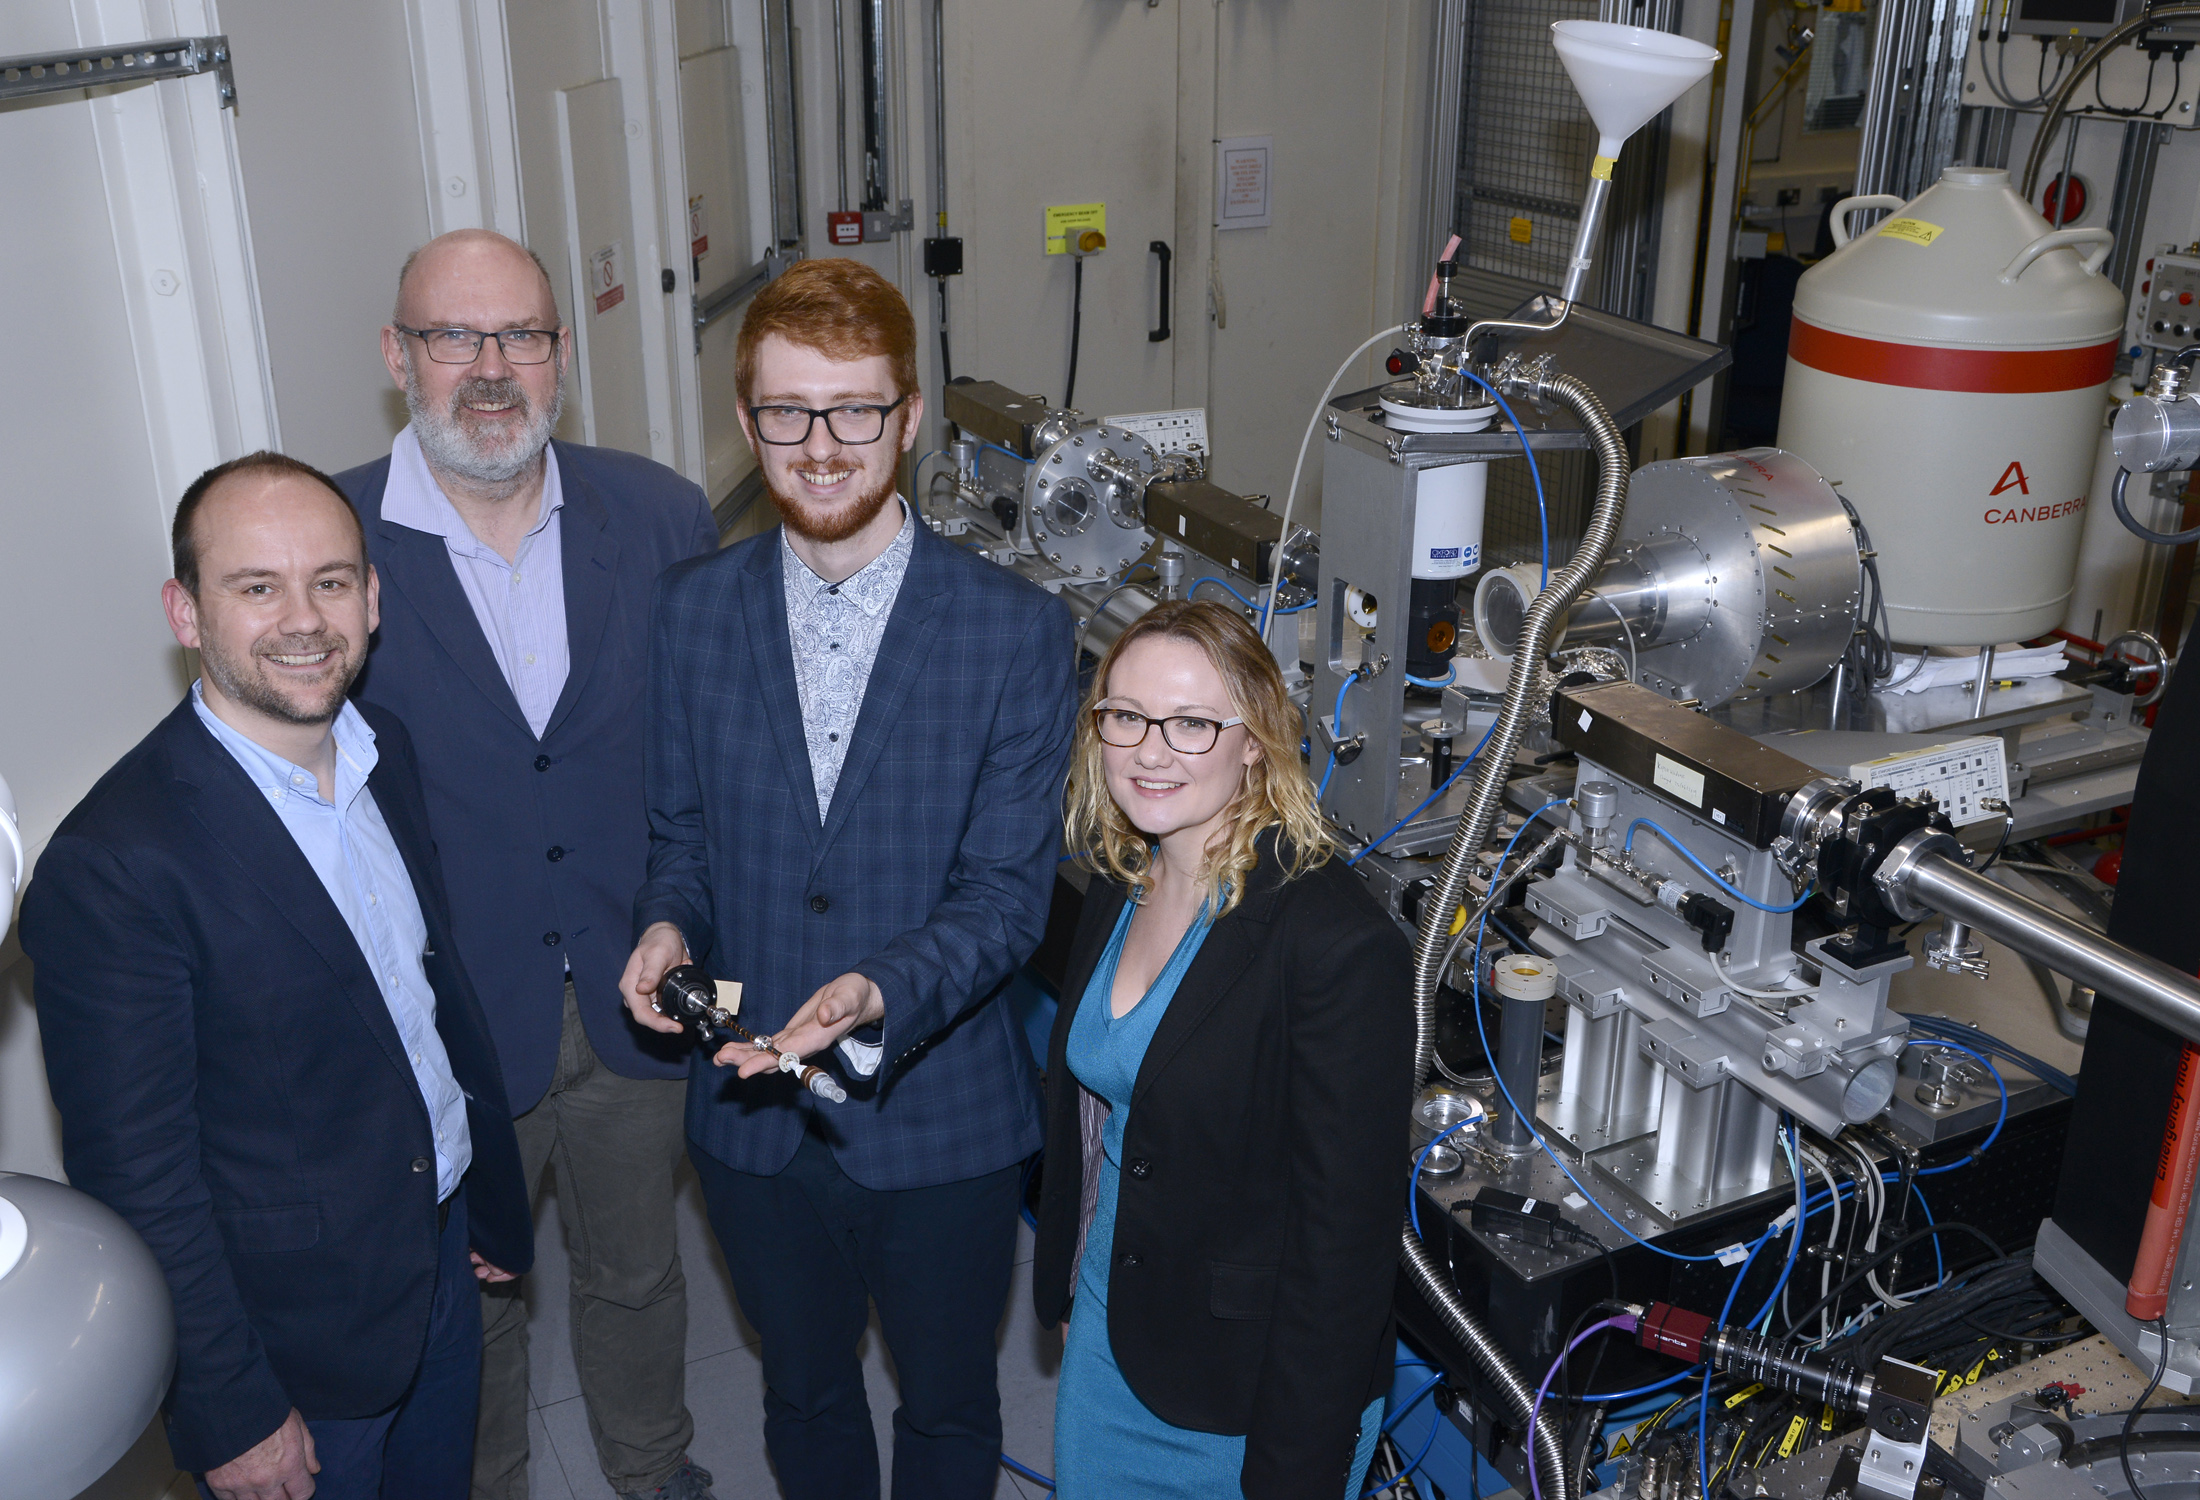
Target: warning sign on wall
[(606, 279), (1242, 166)]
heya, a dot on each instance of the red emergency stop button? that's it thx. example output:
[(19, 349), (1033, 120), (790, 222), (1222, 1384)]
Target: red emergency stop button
[(2184, 299)]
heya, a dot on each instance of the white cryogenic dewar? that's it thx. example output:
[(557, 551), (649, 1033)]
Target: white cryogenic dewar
[(1948, 370), (11, 857), (87, 1338)]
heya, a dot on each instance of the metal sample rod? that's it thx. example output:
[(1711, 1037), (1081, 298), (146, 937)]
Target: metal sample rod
[(2147, 985)]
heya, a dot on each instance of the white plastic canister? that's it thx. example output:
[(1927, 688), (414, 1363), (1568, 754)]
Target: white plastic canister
[(1946, 371)]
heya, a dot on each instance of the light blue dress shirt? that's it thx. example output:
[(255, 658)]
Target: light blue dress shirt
[(834, 628), (351, 849), (520, 604)]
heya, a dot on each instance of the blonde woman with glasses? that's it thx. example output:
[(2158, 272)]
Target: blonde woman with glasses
[(1227, 1095)]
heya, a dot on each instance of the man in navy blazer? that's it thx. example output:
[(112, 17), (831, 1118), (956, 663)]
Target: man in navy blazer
[(516, 576), (266, 1054), (858, 738)]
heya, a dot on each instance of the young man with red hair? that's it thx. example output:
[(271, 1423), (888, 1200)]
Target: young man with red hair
[(858, 738)]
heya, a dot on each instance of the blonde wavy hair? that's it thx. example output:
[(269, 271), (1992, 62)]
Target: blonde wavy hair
[(1276, 792)]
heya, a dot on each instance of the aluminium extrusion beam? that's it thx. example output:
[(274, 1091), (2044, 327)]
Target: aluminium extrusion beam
[(2147, 985), (90, 67)]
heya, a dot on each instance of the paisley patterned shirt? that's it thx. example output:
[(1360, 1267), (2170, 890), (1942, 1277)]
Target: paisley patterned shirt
[(835, 630)]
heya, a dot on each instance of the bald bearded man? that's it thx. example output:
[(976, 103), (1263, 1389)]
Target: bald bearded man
[(516, 580)]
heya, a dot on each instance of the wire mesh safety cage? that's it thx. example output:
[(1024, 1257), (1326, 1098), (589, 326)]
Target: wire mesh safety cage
[(1525, 144)]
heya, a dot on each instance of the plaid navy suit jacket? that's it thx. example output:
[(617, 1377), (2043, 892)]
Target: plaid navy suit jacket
[(930, 874)]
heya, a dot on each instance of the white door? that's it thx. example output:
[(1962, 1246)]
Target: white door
[(136, 363), (608, 281), (723, 247)]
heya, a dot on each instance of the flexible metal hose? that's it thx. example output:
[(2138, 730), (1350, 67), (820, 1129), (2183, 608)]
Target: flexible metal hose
[(1549, 607), (2093, 58), (1475, 822), (1492, 1363)]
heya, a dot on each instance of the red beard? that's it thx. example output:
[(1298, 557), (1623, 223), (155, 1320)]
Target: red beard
[(815, 523)]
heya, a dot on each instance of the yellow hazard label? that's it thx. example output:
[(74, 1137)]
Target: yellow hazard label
[(1795, 1432), (1522, 231), (1458, 921), (1825, 1420), (1620, 1444), (1916, 231), (1066, 224), (1743, 1394), (1602, 167)]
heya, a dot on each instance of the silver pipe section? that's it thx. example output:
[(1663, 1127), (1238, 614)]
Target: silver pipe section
[(939, 127), (2149, 986), (1585, 237), (840, 95), (1490, 1362), (1591, 225), (1097, 631), (1473, 830)]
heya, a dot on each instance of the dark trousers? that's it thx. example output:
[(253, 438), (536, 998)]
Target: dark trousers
[(809, 1250), (615, 1145), (423, 1447)]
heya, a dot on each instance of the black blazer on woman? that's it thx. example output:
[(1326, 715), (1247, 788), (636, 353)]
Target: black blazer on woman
[(1264, 1174)]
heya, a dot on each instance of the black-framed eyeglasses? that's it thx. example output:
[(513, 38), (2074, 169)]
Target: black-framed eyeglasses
[(1186, 734), (853, 425), (462, 346)]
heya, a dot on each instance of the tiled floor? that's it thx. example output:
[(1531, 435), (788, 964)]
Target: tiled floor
[(725, 1376)]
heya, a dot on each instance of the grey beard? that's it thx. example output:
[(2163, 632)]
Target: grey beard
[(450, 448)]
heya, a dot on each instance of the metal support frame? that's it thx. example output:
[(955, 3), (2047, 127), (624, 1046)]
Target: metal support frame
[(1447, 95), (1914, 102), (2127, 206), (1628, 273), (89, 67)]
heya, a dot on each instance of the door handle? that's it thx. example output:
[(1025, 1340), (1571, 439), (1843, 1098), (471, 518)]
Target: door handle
[(1161, 335)]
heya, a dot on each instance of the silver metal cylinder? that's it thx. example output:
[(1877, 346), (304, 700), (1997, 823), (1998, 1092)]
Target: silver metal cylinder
[(2147, 985), (2149, 434), (1585, 239)]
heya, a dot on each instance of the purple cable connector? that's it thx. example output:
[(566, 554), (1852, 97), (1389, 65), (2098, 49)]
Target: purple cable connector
[(1625, 1322)]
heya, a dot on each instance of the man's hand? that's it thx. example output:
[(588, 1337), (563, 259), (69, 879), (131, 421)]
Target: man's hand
[(280, 1466), (661, 948), (827, 1016), (484, 1272)]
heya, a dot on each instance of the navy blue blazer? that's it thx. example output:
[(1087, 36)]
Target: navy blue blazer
[(543, 840), (931, 875), (230, 1081)]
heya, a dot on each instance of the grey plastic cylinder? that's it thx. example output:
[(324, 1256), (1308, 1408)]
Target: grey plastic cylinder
[(1525, 981), (87, 1338)]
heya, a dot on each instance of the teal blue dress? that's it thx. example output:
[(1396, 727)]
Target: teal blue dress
[(1107, 1444)]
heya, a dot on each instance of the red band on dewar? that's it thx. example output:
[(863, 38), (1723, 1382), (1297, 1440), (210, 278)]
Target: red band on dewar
[(1999, 371)]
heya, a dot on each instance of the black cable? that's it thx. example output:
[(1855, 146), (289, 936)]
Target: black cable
[(1076, 326), (1880, 1257), (2131, 1418), (2008, 821), (2035, 1336), (947, 366), (2131, 522)]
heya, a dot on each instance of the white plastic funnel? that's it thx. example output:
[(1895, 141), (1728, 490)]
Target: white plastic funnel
[(1626, 74)]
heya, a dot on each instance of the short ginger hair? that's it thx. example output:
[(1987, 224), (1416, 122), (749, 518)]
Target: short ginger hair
[(841, 308)]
